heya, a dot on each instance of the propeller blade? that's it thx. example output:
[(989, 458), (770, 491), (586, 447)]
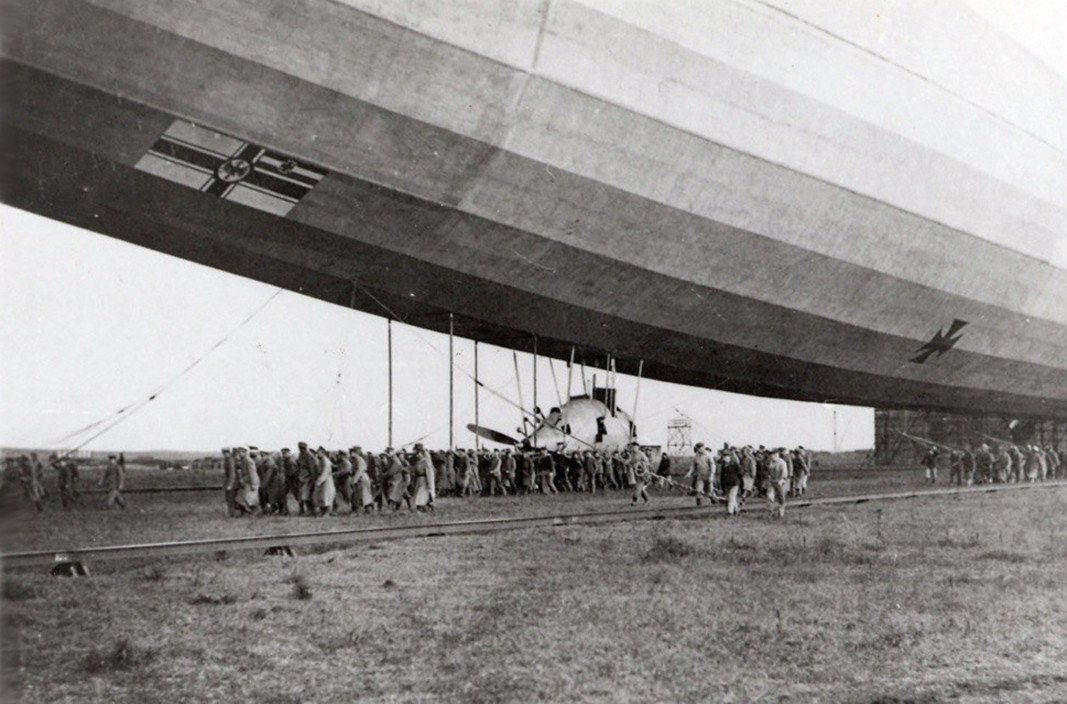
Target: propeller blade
[(490, 434)]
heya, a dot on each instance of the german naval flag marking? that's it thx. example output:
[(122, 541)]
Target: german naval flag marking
[(230, 168)]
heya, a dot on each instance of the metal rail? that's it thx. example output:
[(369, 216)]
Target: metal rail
[(492, 525)]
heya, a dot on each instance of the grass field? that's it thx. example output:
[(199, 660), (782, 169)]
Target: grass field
[(925, 600)]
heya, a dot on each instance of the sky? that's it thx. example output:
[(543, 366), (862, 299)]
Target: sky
[(92, 325)]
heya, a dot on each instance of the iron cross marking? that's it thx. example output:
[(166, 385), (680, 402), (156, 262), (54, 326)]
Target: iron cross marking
[(941, 342)]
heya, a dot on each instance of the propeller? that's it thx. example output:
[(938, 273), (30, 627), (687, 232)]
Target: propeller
[(493, 435)]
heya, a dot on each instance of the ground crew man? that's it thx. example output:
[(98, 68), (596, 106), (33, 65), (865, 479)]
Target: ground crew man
[(929, 461), (291, 474), (67, 474), (748, 471), (1018, 463), (967, 465), (642, 474), (342, 479), (546, 472), (115, 482), (31, 485), (496, 475), (307, 470), (1053, 461), (509, 468), (776, 483), (461, 465), (229, 469), (425, 489), (362, 490), (1002, 465), (983, 465), (731, 484), (802, 471), (701, 473), (324, 492), (955, 467), (271, 482), (590, 463), (394, 480), (787, 457), (247, 481), (38, 474)]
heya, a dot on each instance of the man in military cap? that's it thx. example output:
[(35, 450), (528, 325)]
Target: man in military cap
[(115, 482), (967, 464), (983, 465), (395, 480), (748, 471), (307, 471), (1054, 462), (495, 474), (929, 461), (342, 479), (641, 471), (247, 481), (291, 475), (776, 484), (801, 471), (731, 480), (701, 473), (65, 473), (362, 488), (271, 483), (324, 491), (425, 490), (229, 469), (955, 467), (509, 469), (546, 471)]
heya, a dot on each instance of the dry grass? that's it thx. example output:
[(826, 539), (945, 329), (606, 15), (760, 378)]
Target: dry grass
[(911, 601)]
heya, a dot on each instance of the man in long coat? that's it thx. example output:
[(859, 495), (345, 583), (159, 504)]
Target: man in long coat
[(362, 488), (115, 482), (422, 470), (307, 470), (291, 474), (324, 492), (247, 481), (394, 479), (342, 479), (229, 469)]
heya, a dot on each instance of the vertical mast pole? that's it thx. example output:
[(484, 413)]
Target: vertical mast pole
[(637, 394), (535, 379), (451, 382), (477, 421), (389, 330)]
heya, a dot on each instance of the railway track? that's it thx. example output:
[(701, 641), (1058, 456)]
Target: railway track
[(339, 537)]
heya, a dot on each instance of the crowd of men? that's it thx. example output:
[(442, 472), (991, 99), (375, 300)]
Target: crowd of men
[(320, 482), (30, 474), (742, 473), (996, 463)]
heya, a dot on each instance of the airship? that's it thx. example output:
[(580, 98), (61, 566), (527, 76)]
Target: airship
[(813, 201)]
